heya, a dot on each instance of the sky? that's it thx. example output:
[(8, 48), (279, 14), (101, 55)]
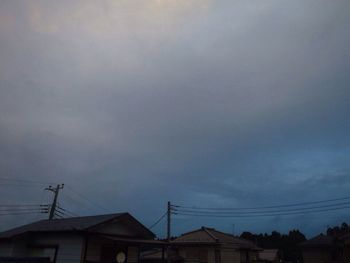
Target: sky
[(130, 104)]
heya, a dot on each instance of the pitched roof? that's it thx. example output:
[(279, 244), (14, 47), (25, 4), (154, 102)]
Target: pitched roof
[(207, 235), (83, 223)]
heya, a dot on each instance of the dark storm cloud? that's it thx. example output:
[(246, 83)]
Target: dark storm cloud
[(213, 103)]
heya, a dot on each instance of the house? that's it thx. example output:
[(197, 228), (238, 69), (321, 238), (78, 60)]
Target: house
[(207, 245), (102, 238), (327, 249), (322, 249), (269, 256), (345, 239), (158, 255), (25, 260)]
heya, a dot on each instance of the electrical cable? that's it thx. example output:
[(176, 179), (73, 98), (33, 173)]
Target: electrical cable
[(160, 219), (263, 207)]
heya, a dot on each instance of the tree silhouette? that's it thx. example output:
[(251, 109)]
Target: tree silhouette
[(286, 244)]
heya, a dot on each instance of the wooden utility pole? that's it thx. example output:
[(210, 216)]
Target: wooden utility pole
[(168, 231), (169, 222), (55, 190)]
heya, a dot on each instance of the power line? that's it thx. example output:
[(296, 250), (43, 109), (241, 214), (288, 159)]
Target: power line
[(263, 207), (82, 204), (20, 213), (24, 181), (20, 185), (19, 205), (41, 202), (59, 212), (160, 219), (31, 183), (23, 210), (65, 211), (261, 211), (59, 216), (258, 215), (87, 199)]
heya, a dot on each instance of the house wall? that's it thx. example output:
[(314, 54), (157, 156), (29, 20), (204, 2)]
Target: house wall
[(19, 248), (133, 254), (230, 255), (208, 254), (211, 255), (5, 248), (95, 245), (317, 256), (197, 254), (69, 247), (254, 256), (116, 229), (346, 253)]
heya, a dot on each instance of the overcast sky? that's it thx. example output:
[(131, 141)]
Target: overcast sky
[(222, 103)]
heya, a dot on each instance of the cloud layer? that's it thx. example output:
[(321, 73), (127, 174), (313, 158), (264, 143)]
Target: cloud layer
[(221, 103)]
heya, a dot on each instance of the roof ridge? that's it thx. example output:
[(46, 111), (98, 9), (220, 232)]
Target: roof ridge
[(89, 216), (207, 230), (227, 234), (190, 232), (235, 239)]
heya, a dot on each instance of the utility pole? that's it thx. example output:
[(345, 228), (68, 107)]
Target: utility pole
[(169, 221), (168, 231), (55, 190)]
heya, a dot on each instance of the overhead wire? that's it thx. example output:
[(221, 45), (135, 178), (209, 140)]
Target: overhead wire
[(261, 211), (18, 213), (67, 212), (79, 202), (261, 215), (23, 208), (263, 207), (301, 208), (85, 201), (158, 221), (24, 181), (19, 205), (93, 203)]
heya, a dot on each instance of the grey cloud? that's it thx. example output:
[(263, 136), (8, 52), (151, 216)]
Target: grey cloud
[(225, 102)]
